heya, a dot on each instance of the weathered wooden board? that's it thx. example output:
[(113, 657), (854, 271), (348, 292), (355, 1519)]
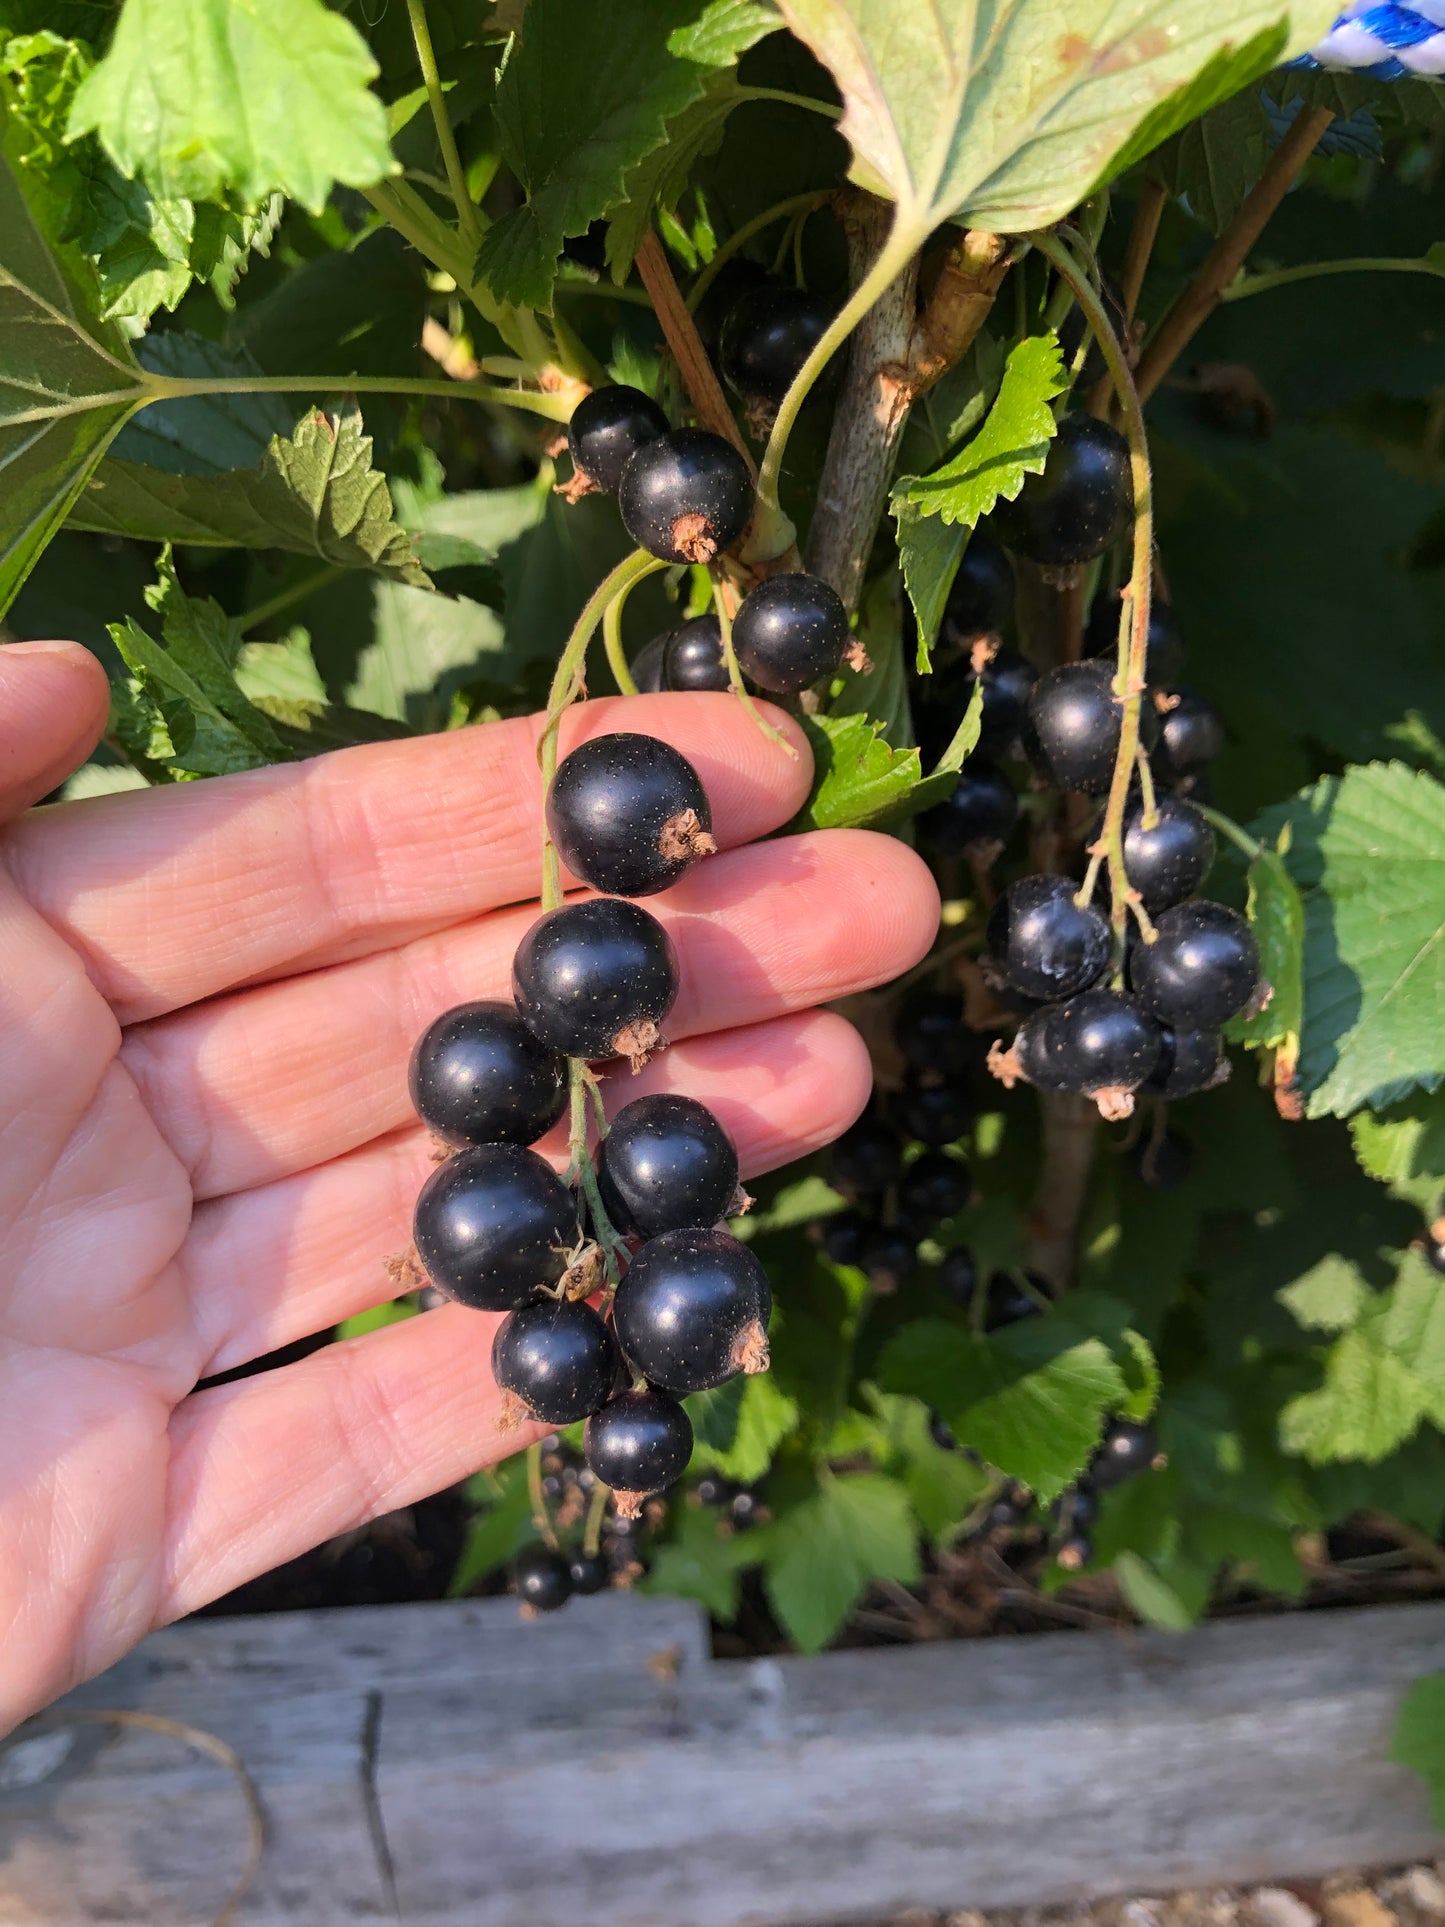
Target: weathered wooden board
[(450, 1764)]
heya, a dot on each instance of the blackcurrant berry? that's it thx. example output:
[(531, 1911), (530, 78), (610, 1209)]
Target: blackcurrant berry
[(648, 664), (941, 1432), (867, 1158), (666, 1164), (1103, 1043), (1036, 1054), (589, 1572), (1074, 1551), (934, 1114), (1071, 731), (1047, 945), (935, 1186), (629, 814), (541, 1579), (767, 335), (596, 979), (1167, 860), (958, 1276), (1189, 1061), (1080, 505), (843, 1236), (1008, 680), (1165, 1162), (1009, 1302), (744, 1509), (981, 599), (790, 631), (686, 496), (930, 1031), (1165, 647), (980, 814), (556, 1358), (693, 658), (1201, 969), (640, 1443), (607, 429), (479, 1076), (1190, 737), (1435, 1254), (692, 1310), (1078, 1508), (889, 1257), (1011, 1507), (1125, 1449), (493, 1225)]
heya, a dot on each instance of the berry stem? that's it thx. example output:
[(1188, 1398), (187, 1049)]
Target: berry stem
[(1226, 825), (1153, 199), (541, 1517), (612, 630), (556, 406), (685, 344), (779, 211), (582, 1170), (596, 1513), (446, 139), (735, 675)]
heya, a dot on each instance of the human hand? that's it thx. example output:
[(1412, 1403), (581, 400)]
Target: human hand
[(208, 997)]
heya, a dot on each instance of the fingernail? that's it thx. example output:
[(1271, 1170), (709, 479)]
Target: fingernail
[(56, 648)]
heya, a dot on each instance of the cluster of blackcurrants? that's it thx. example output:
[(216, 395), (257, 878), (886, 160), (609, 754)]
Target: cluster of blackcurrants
[(1126, 1449), (496, 1228)]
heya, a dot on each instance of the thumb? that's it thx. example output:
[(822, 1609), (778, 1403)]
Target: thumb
[(54, 699)]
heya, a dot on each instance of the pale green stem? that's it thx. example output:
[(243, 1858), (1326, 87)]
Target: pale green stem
[(555, 407), (824, 107), (596, 1512), (1227, 827), (286, 598), (795, 204), (735, 674), (612, 630), (541, 1517), (1248, 284), (446, 139)]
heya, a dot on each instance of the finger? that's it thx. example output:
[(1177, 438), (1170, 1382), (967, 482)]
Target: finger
[(172, 895), (268, 1266), (53, 704), (277, 1079)]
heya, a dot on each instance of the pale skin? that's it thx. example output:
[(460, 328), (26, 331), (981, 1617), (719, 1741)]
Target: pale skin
[(208, 995)]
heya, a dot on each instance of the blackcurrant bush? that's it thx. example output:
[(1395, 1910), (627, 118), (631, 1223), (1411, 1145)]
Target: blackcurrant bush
[(1167, 860), (1163, 1162), (1071, 731), (1104, 1044), (693, 658), (1009, 1302), (666, 1164), (958, 1276), (479, 1076), (649, 663), (541, 1579), (493, 1225), (713, 1489), (557, 1358), (1165, 655), (1189, 1061), (589, 1573), (1190, 737), (790, 631), (1074, 1550), (935, 1186), (843, 1235), (1201, 969), (607, 429), (1011, 1507), (767, 335), (981, 599), (867, 1158), (639, 1443), (1080, 505), (686, 496), (743, 1510), (889, 1257), (929, 1030), (1047, 945), (692, 1310), (1125, 1449), (934, 1114), (596, 979), (979, 814), (628, 814)]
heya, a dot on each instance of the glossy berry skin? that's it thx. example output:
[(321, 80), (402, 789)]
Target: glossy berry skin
[(596, 979), (889, 1257), (557, 1358), (1127, 1448), (628, 814), (933, 1114), (1164, 1163), (941, 1432), (767, 335), (1071, 731), (867, 1158), (935, 1186), (607, 429), (541, 1579), (479, 1076), (958, 1276), (1167, 861), (666, 1163), (1008, 1301), (790, 631), (693, 657), (692, 1310), (1080, 505), (980, 813), (686, 496), (1435, 1254), (1203, 967), (843, 1236), (981, 599), (1165, 648), (1103, 1041), (1190, 737), (930, 1031), (1047, 945), (640, 1442), (492, 1225), (1189, 1061), (647, 665), (1037, 1055), (1008, 680), (589, 1573)]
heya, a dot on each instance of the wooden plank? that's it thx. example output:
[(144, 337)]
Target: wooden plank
[(600, 1766)]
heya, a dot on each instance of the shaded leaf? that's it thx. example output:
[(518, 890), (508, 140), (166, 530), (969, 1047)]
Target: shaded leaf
[(1369, 1404), (497, 1534), (1214, 162), (1278, 917), (820, 1555), (700, 1562), (1404, 1147), (1329, 1297), (740, 1427), (1419, 1737)]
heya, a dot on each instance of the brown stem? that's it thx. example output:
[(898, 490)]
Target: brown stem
[(702, 385), (1227, 256), (1069, 1127), (1153, 197)]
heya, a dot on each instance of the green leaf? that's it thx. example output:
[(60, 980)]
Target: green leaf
[(1278, 917), (280, 672), (700, 1561), (659, 179), (858, 776), (1368, 851), (740, 1427), (1410, 1321), (1404, 1147), (216, 98), (1012, 444), (1214, 162), (820, 1556), (929, 550), (1262, 1549), (496, 1535), (1173, 1598), (1368, 1405), (1330, 1297), (798, 1203), (589, 94), (942, 1486), (1419, 1738), (395, 1312)]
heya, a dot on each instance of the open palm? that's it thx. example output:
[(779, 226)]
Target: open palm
[(208, 995)]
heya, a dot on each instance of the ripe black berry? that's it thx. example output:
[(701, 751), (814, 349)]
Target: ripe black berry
[(1435, 1254), (1126, 1448), (1011, 1507), (933, 1113), (629, 814), (790, 631), (1165, 647), (693, 658), (713, 1489), (766, 336), (1203, 967), (1047, 945), (1080, 505), (1074, 1551), (1009, 1302), (958, 1276), (647, 665), (1169, 859), (1038, 1057), (1190, 737), (980, 813), (930, 1031), (557, 1358), (744, 1509), (981, 599), (493, 1225), (666, 1163), (843, 1235), (479, 1076), (867, 1158), (638, 1444), (1008, 680), (589, 1573), (1103, 1043), (607, 429), (941, 1432), (692, 1310), (596, 979), (1071, 731), (1163, 1162), (686, 496), (935, 1186), (1189, 1061), (889, 1257), (1078, 1508), (541, 1579)]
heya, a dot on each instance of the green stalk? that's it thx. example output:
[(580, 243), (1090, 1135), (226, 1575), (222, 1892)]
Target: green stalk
[(446, 139), (541, 1517), (286, 598), (612, 630), (779, 211), (735, 674), (1227, 827), (1248, 284), (555, 407)]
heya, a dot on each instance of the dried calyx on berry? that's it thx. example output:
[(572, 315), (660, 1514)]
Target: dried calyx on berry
[(596, 979), (687, 496), (629, 814)]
